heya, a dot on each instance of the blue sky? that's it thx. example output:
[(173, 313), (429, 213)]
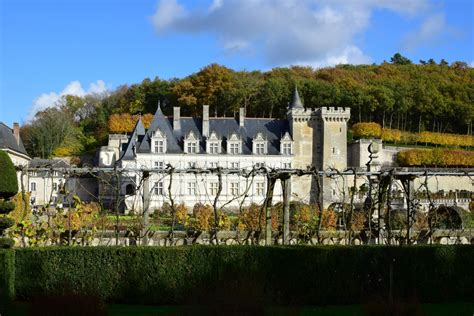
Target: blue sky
[(49, 48)]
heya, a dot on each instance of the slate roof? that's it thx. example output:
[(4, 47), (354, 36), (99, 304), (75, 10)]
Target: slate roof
[(271, 129), (296, 102), (48, 163), (7, 140)]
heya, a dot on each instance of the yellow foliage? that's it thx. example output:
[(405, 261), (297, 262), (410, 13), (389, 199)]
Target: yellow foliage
[(182, 215), (391, 135), (19, 214), (328, 220), (63, 151), (367, 130), (435, 157), (224, 221), (204, 217), (358, 221), (124, 122), (250, 216), (373, 130)]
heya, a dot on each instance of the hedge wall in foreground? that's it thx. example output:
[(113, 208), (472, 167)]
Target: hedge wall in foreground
[(248, 275)]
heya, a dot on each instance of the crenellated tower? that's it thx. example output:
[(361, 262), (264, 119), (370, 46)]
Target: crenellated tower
[(334, 137)]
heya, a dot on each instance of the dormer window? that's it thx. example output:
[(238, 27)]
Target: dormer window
[(234, 145), (259, 145), (159, 146), (191, 144), (213, 144), (286, 145), (158, 141)]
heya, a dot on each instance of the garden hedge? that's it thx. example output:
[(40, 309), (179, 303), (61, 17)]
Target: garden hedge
[(375, 130), (7, 275), (435, 158), (242, 275)]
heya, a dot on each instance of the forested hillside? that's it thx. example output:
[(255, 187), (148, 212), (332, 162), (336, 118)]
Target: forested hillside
[(428, 96)]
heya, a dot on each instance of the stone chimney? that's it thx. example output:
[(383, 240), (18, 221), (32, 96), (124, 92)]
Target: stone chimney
[(16, 132), (241, 116), (176, 118), (205, 120)]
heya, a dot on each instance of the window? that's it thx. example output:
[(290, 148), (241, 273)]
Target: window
[(259, 165), (234, 188), (191, 188), (260, 148), (213, 187), (159, 146), (33, 174), (234, 148), (286, 150), (214, 148), (33, 186), (159, 188), (159, 165), (55, 186), (191, 165), (192, 148), (213, 164), (234, 165), (259, 188), (287, 165), (130, 189)]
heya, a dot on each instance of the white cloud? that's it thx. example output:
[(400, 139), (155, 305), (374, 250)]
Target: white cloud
[(51, 99), (350, 55), (430, 30), (282, 32), (166, 12)]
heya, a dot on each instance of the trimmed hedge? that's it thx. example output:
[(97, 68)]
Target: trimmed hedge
[(244, 275), (366, 130), (435, 158), (374, 130), (7, 275), (8, 179)]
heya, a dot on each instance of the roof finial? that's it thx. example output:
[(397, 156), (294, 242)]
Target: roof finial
[(158, 109)]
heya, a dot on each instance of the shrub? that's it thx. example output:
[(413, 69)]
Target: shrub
[(7, 274), (435, 157), (358, 220), (6, 222), (328, 220), (252, 218), (373, 130), (182, 216), (203, 217), (367, 130), (298, 275), (8, 178), (6, 243), (6, 206)]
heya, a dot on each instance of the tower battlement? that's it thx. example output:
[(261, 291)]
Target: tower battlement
[(336, 114)]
